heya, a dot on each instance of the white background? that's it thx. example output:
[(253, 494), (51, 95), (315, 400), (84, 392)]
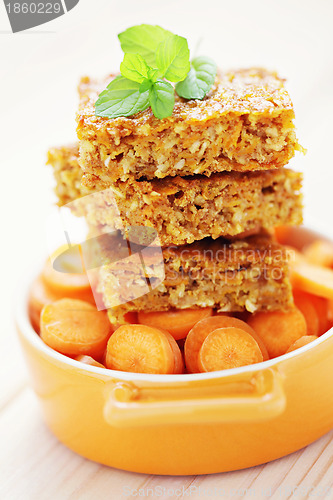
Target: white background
[(40, 69)]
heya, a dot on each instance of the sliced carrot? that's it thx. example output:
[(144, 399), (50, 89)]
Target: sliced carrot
[(303, 301), (179, 363), (88, 360), (320, 252), (203, 328), (67, 284), (140, 349), (279, 330), (322, 307), (330, 312), (294, 256), (75, 327), (103, 357), (302, 342), (226, 348), (283, 234), (114, 327), (294, 236), (311, 278), (178, 322), (39, 296)]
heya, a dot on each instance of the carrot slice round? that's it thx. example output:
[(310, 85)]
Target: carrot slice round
[(322, 307), (226, 348), (178, 322), (67, 284), (140, 349), (310, 306), (39, 296), (320, 252), (179, 363), (312, 279), (330, 313), (307, 339), (75, 327), (295, 236), (279, 330), (203, 328), (303, 301)]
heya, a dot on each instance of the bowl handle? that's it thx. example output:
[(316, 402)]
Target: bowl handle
[(258, 397)]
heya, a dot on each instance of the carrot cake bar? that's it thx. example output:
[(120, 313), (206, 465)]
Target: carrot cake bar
[(244, 123), (244, 275), (183, 210)]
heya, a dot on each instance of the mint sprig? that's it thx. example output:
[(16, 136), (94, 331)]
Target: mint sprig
[(122, 97), (162, 99), (143, 40), (173, 58), (153, 56), (135, 68), (199, 79)]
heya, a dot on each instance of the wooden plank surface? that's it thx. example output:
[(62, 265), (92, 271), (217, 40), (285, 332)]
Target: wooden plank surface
[(34, 465)]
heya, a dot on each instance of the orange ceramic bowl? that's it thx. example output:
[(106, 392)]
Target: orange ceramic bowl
[(183, 424)]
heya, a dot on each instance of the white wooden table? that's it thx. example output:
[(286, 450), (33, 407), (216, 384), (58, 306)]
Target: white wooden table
[(34, 465)]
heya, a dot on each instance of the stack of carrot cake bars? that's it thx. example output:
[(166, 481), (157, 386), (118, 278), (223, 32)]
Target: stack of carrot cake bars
[(210, 180)]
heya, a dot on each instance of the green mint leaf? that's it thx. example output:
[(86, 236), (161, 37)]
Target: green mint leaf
[(143, 39), (145, 85), (199, 80), (154, 74), (135, 68), (173, 58), (122, 97), (162, 99)]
